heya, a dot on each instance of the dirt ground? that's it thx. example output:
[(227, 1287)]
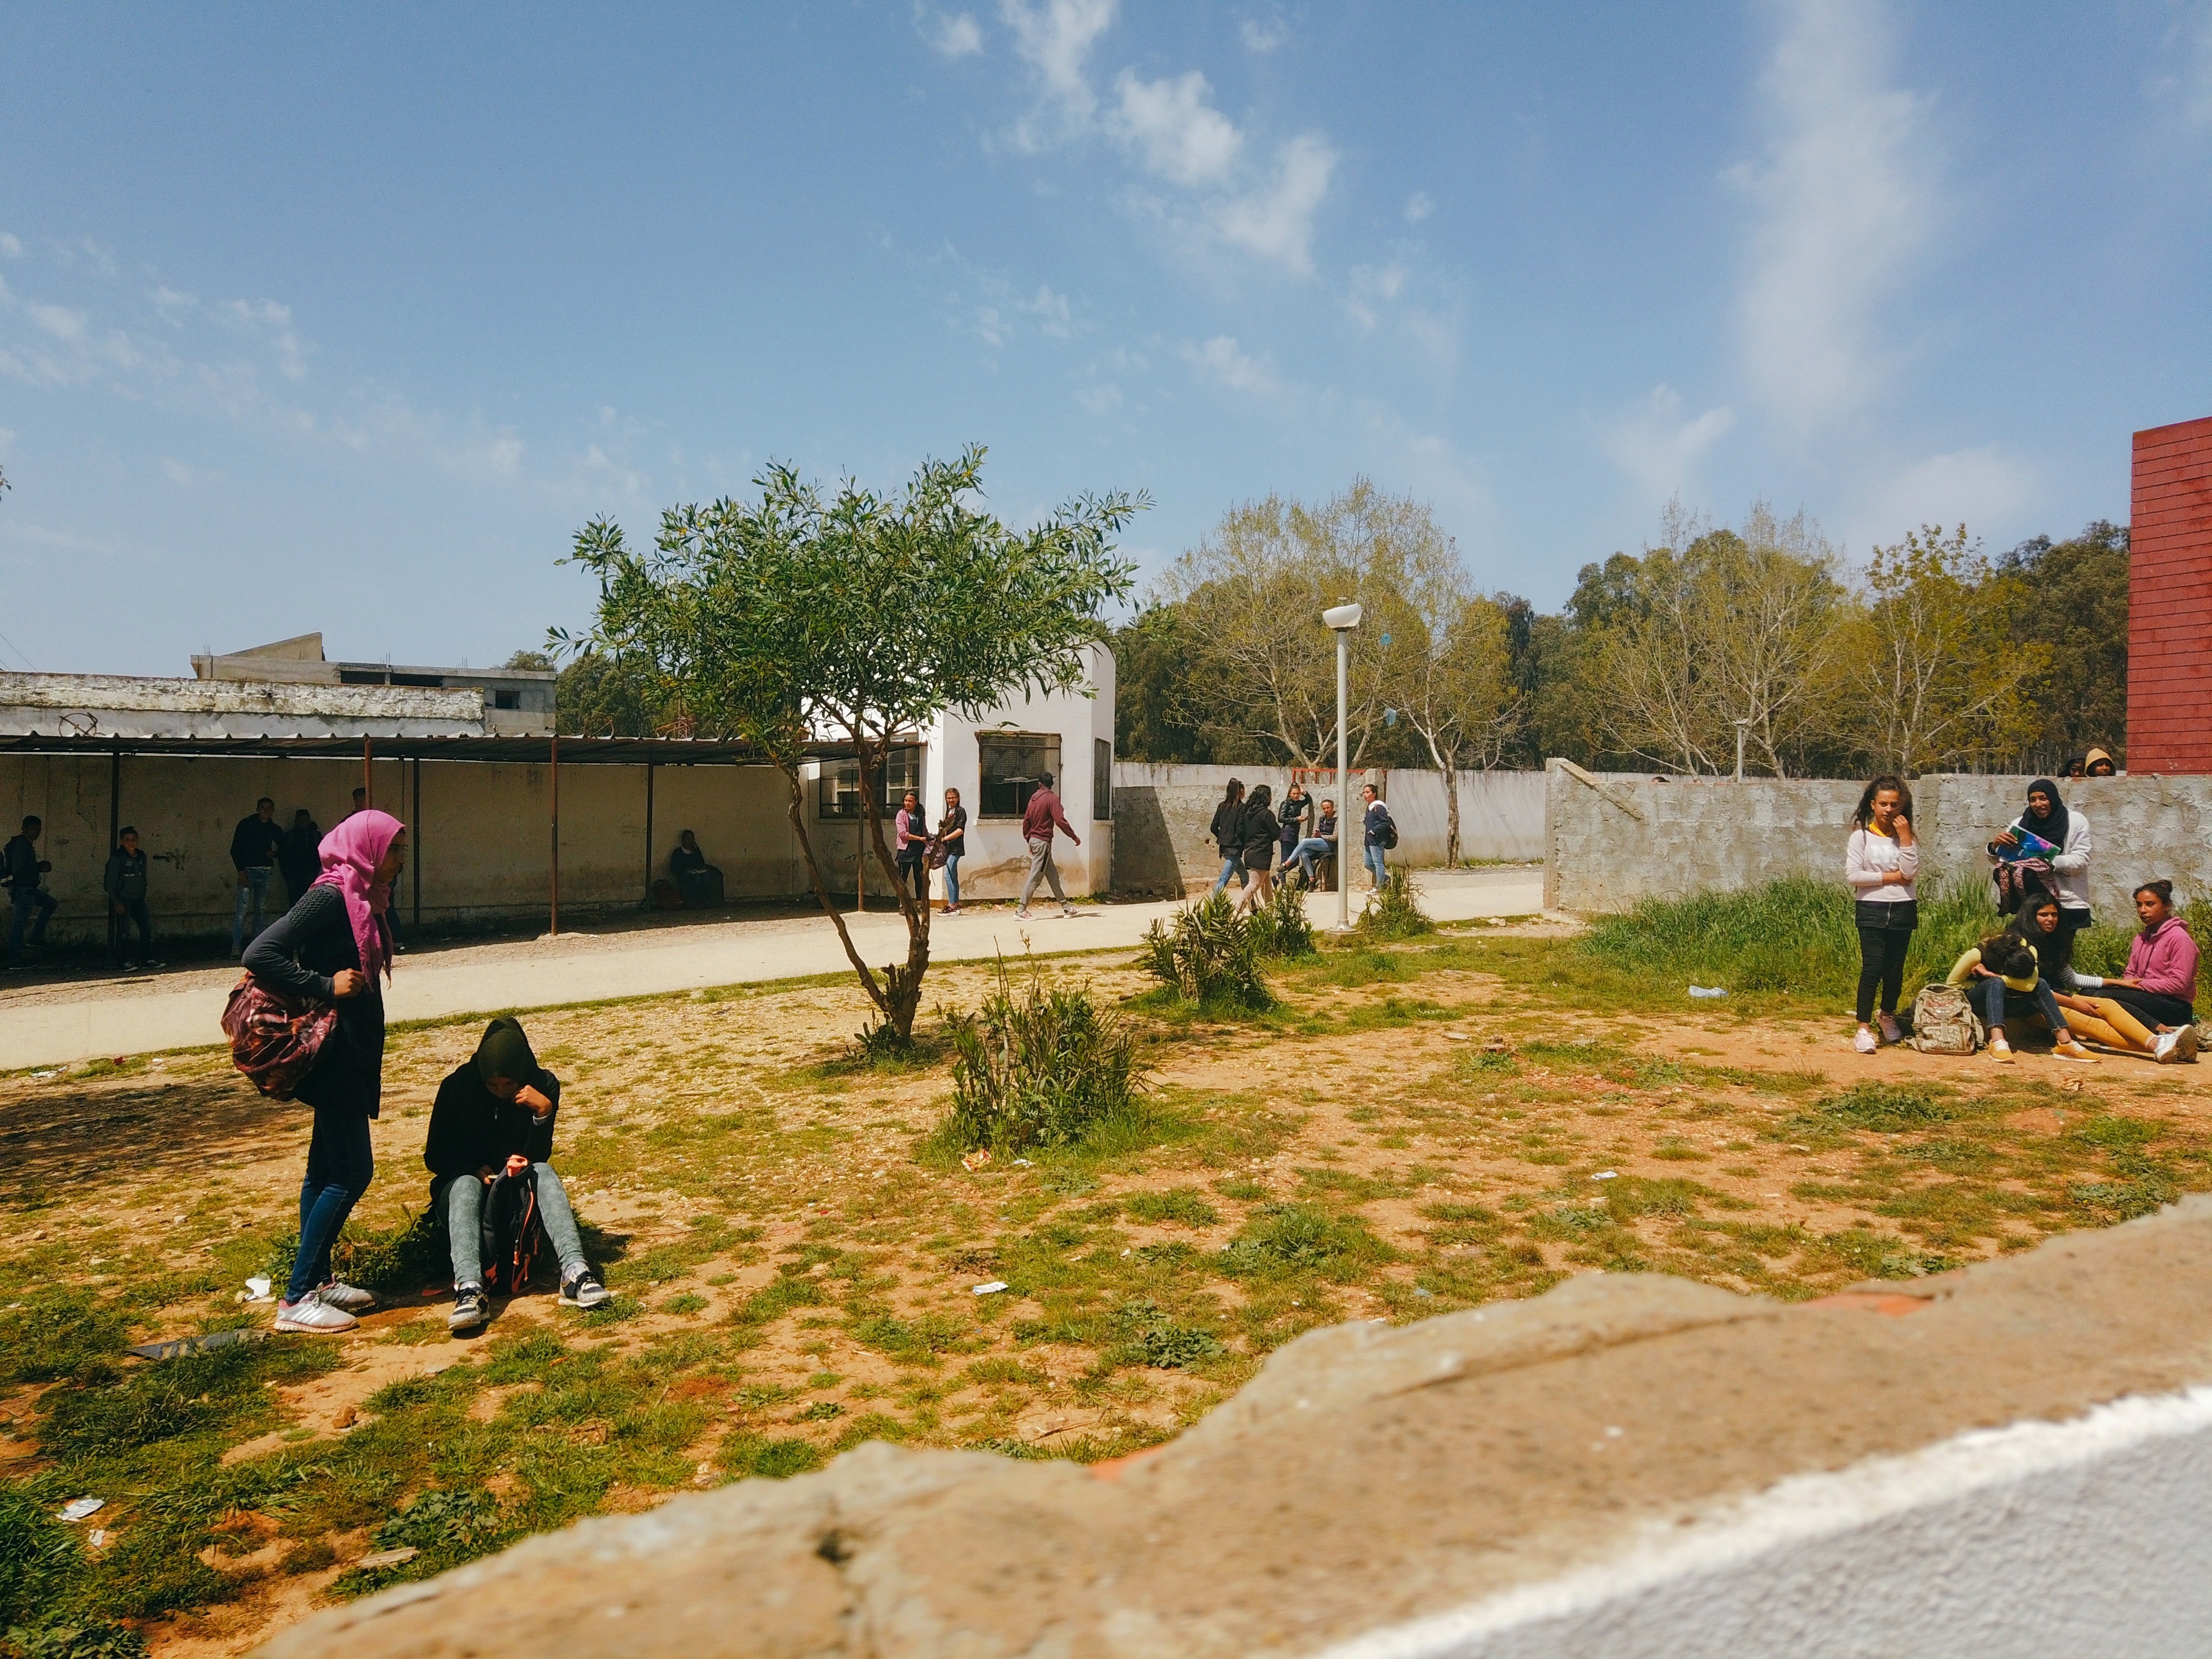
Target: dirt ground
[(1416, 1129)]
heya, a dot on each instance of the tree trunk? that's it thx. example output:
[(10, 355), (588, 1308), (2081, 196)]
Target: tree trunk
[(902, 997), (1451, 814), (798, 788)]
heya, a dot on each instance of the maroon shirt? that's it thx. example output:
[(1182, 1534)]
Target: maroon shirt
[(1043, 812)]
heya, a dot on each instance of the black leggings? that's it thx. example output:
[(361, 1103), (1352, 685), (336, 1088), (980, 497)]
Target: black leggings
[(2153, 1008), (1881, 962)]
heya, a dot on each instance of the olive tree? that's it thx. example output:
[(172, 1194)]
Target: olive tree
[(856, 618)]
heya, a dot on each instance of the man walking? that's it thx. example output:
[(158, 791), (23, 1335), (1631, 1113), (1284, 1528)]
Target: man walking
[(124, 884), (254, 846), (23, 869), (1037, 820), (1379, 835)]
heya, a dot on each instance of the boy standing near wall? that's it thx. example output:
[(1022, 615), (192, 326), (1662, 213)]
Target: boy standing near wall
[(23, 872), (254, 846), (124, 883)]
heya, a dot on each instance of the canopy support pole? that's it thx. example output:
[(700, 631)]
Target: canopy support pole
[(647, 901), (553, 928)]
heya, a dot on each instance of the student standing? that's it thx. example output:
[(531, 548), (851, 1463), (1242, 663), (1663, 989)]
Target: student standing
[(1375, 835), (1225, 837), (1297, 810), (1881, 862), (334, 945), (123, 881), (24, 871), (1038, 820), (951, 844), (301, 859), (493, 1116), (1259, 830), (254, 846), (911, 856), (2050, 818)]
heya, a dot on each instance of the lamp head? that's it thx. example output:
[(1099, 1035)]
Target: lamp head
[(1341, 616)]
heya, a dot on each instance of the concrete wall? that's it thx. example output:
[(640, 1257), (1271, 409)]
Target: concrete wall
[(1162, 813), (1619, 837), (482, 834)]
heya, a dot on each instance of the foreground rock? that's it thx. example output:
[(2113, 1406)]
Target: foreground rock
[(1630, 1465)]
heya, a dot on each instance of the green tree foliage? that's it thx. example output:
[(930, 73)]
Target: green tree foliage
[(2071, 598), (857, 618)]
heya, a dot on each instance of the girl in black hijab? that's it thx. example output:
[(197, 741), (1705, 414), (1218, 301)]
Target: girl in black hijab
[(2063, 872)]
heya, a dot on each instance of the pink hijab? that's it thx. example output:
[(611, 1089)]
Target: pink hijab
[(350, 854)]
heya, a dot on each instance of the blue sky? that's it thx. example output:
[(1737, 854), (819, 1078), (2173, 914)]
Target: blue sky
[(345, 317)]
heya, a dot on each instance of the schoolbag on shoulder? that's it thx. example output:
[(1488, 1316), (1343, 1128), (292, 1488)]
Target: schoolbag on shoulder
[(511, 1234), (1944, 1021), (1387, 836), (274, 1039)]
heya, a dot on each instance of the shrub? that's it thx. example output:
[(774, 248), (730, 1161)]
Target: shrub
[(1044, 1068), (1394, 910), (1210, 955), (1282, 928), (1302, 1238)]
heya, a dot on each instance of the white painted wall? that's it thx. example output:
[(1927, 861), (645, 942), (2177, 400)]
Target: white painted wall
[(2039, 1540)]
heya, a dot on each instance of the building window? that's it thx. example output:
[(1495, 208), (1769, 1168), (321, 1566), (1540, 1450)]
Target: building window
[(507, 699), (1101, 779), (1013, 764), (838, 790)]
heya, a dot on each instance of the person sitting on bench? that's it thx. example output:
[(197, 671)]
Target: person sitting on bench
[(699, 883), (494, 1115), (1322, 844)]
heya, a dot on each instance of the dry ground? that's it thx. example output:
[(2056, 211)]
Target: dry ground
[(1419, 1128)]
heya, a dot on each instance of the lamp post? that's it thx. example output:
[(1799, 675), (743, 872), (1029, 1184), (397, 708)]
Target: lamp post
[(1743, 725), (1343, 619)]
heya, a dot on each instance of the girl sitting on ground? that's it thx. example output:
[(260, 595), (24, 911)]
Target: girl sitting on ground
[(1880, 861), (2002, 976), (2151, 1009)]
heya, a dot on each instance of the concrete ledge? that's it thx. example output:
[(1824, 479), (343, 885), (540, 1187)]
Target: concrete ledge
[(2014, 1460)]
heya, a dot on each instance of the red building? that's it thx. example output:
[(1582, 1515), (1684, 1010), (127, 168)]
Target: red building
[(2170, 601)]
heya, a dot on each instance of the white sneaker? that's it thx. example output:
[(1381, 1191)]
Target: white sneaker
[(1864, 1042), (1021, 915), (313, 1317), (336, 1293)]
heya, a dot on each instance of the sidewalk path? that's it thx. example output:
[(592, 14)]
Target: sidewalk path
[(51, 1025)]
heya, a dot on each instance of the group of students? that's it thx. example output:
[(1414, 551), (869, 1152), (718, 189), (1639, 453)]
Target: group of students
[(1255, 839), (2040, 867), (493, 1117), (260, 848), (918, 849)]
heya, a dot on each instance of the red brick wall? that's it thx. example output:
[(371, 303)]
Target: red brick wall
[(2170, 601)]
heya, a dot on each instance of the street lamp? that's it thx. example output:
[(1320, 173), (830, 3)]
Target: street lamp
[(1743, 725), (1343, 619)]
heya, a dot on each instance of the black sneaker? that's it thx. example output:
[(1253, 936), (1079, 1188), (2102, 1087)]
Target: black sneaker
[(585, 1291), (472, 1308)]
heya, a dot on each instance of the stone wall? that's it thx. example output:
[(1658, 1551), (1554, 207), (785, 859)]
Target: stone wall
[(1161, 814), (2008, 1462), (1613, 838)]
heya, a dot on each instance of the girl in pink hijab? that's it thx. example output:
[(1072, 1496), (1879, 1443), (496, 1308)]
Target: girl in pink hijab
[(334, 945)]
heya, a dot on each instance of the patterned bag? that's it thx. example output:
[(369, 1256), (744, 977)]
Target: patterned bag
[(273, 1039), (1944, 1021), (511, 1234)]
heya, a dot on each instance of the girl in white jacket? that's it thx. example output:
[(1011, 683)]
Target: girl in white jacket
[(1881, 862)]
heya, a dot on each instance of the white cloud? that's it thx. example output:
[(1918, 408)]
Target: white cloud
[(955, 34), (1277, 221), (1847, 201), (1103, 399), (1657, 443), (1419, 206), (1373, 286), (1174, 130), (188, 477), (1221, 359), (1262, 38), (1053, 37), (11, 246), (2186, 77), (1982, 488), (59, 321)]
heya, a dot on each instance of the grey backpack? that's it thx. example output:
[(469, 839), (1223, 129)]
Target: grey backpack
[(1944, 1021)]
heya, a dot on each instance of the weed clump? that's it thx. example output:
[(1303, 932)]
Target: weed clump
[(1281, 926), (1150, 1336), (1887, 1108), (1302, 1238), (1394, 910), (399, 1262), (1039, 1068), (1210, 955)]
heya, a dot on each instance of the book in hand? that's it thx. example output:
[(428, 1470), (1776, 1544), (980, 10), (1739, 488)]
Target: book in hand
[(2032, 846)]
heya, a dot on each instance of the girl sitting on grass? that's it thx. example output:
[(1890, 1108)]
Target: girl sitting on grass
[(2002, 977), (2151, 1009)]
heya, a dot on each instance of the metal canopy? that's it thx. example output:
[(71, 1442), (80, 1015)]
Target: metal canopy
[(488, 750)]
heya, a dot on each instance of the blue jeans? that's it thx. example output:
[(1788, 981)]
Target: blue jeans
[(1232, 865), (463, 1202), (1377, 865), (952, 878), (24, 901), (1991, 995), (253, 885), (1312, 847), (339, 1166)]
